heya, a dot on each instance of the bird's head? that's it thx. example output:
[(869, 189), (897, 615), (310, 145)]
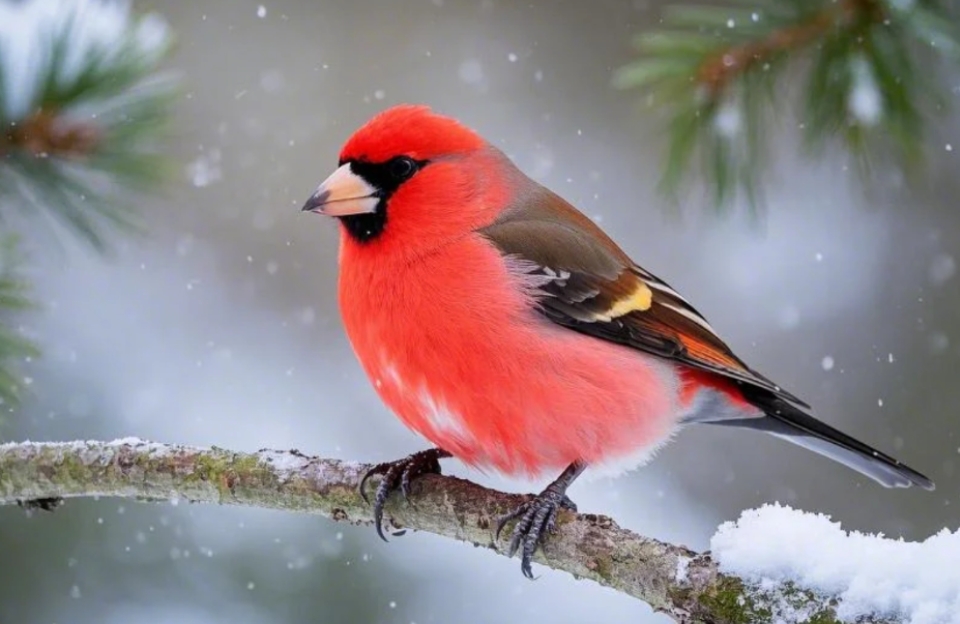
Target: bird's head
[(411, 178)]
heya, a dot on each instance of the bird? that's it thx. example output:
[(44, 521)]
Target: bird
[(509, 330)]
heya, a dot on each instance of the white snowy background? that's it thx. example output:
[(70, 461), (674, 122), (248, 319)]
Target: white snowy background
[(221, 327)]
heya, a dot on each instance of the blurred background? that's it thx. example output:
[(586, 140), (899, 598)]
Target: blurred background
[(220, 325)]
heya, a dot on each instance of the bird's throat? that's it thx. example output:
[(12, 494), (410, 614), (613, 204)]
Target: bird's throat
[(364, 228)]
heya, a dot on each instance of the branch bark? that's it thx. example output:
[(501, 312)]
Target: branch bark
[(683, 584)]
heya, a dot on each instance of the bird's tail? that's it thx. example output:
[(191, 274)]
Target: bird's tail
[(791, 423)]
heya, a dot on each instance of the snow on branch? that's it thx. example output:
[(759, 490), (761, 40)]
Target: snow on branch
[(913, 582), (778, 565)]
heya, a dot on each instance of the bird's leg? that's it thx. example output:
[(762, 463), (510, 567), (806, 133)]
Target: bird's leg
[(398, 475), (538, 517)]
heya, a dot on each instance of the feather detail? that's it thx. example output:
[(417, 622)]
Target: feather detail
[(639, 299), (587, 283)]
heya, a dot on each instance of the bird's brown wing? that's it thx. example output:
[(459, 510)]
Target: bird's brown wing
[(588, 284), (583, 281)]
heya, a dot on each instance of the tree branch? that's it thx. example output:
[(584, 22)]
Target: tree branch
[(672, 579), (717, 71), (47, 134)]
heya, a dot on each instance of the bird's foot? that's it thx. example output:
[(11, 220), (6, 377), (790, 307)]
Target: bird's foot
[(398, 475), (536, 519)]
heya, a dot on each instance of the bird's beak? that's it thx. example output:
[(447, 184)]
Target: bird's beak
[(343, 193)]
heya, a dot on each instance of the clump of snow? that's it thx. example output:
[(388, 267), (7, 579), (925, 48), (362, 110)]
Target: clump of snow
[(728, 121), (916, 582), (88, 28), (864, 101), (155, 449), (129, 440), (283, 463), (683, 566), (205, 169)]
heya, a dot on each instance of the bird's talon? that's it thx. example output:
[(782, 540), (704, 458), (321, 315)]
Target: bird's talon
[(379, 469), (536, 519), (506, 518), (387, 484), (398, 475), (551, 526), (408, 476)]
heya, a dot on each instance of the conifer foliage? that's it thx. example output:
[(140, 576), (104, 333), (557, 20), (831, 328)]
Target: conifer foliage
[(858, 74), (82, 111)]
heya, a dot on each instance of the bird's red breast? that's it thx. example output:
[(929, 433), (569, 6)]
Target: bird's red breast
[(454, 346)]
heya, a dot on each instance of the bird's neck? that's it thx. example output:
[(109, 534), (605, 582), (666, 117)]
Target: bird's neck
[(364, 228)]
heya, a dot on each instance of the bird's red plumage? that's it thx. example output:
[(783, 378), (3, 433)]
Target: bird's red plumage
[(400, 130), (451, 340), (454, 347)]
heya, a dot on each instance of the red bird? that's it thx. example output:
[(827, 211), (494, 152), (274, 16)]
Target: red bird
[(508, 329)]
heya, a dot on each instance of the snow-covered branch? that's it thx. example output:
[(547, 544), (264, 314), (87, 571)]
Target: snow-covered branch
[(685, 585)]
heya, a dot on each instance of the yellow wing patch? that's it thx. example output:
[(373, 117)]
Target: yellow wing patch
[(637, 300)]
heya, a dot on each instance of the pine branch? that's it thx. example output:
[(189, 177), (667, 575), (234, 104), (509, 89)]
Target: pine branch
[(723, 66), (83, 109), (45, 134), (82, 112), (871, 87), (672, 579)]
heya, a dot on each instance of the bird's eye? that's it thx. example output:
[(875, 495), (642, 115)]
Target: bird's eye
[(402, 167)]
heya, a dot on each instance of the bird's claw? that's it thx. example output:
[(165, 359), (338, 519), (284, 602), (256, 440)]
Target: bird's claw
[(536, 519), (399, 475)]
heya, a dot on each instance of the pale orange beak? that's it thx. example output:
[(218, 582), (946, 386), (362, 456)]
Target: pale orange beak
[(344, 193)]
